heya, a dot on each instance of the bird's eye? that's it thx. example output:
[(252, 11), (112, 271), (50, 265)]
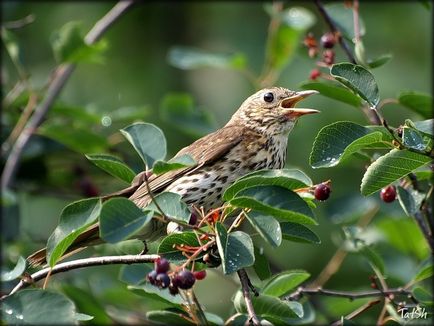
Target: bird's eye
[(268, 97)]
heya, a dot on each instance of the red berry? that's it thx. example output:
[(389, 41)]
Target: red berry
[(322, 191), (328, 56), (314, 74), (162, 280), (388, 194), (184, 280), (310, 41), (328, 40), (162, 265), (200, 275), (152, 277)]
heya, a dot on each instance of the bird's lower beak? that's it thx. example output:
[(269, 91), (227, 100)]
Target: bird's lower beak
[(290, 102)]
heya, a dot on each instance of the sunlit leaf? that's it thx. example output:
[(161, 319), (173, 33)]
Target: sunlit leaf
[(418, 102), (235, 249), (282, 283), (113, 166), (74, 219), (389, 168), (358, 79), (16, 272), (277, 201), (36, 306), (424, 273), (148, 140), (121, 218), (334, 92), (173, 164)]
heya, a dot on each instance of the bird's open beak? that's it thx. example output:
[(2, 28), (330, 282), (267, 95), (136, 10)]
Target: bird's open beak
[(290, 102)]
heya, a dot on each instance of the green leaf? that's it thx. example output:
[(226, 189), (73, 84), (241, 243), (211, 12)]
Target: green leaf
[(74, 219), (338, 141), (261, 265), (283, 43), (349, 208), (334, 92), (165, 317), (358, 79), (172, 206), (423, 296), (270, 308), (287, 178), (153, 293), (69, 46), (113, 165), (426, 126), (121, 218), (282, 283), (175, 163), (235, 249), (424, 273), (389, 168), (381, 60), (343, 19), (178, 110), (298, 233), (148, 140), (410, 200), (12, 46), (413, 139), (77, 115), (183, 57), (36, 307), (135, 274), (16, 272), (267, 227), (373, 257), (78, 138), (418, 102), (277, 201), (167, 247)]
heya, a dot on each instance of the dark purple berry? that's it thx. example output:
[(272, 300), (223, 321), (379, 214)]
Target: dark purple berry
[(162, 280), (184, 280), (200, 275), (152, 277), (162, 265), (173, 290), (388, 194), (322, 191), (328, 40), (193, 219)]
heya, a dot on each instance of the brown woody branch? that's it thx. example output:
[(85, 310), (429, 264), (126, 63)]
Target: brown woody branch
[(80, 263), (245, 287)]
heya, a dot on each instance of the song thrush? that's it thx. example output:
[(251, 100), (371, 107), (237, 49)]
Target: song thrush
[(254, 138)]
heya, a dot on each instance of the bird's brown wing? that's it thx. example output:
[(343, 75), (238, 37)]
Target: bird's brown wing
[(204, 151)]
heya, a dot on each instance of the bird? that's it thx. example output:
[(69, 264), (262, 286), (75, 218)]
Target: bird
[(254, 138)]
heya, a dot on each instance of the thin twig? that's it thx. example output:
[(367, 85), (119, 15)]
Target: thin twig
[(85, 262), (62, 74), (357, 312), (425, 230), (15, 24), (244, 279), (334, 29), (352, 295)]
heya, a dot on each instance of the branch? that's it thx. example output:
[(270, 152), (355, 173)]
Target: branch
[(61, 76), (244, 279), (357, 312), (85, 262), (334, 28), (348, 294)]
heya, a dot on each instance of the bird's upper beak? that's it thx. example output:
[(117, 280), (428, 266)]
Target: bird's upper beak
[(289, 103)]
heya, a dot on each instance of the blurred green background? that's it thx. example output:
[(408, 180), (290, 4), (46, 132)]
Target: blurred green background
[(137, 75)]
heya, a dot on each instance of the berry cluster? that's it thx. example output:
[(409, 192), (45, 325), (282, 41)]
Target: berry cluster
[(162, 278), (327, 41)]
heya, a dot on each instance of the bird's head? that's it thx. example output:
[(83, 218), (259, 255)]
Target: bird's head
[(272, 110)]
